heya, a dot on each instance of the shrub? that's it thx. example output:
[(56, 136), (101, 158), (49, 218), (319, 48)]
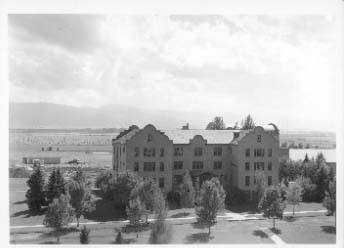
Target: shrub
[(173, 199), (119, 238), (84, 235), (235, 196)]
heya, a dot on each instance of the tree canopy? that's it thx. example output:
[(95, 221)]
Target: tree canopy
[(247, 123), (212, 197), (216, 124)]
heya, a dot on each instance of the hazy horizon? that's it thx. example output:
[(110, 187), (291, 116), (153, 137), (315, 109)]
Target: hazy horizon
[(279, 69)]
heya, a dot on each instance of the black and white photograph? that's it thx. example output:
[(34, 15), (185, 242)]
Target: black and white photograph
[(149, 127)]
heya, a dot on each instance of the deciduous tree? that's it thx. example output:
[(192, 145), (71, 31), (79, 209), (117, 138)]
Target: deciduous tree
[(247, 123), (135, 211), (59, 214), (294, 194), (211, 200), (216, 124), (271, 204), (81, 198), (161, 231), (330, 198)]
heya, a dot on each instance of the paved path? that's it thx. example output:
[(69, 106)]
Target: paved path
[(228, 216), (273, 236)]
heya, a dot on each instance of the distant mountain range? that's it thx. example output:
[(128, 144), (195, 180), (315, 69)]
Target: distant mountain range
[(50, 115)]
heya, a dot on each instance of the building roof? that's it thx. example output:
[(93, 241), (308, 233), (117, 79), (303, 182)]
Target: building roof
[(125, 136), (212, 136), (299, 154)]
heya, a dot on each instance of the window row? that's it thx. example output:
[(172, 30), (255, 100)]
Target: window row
[(148, 152), (196, 165), (198, 151), (258, 152), (258, 166), (149, 166), (247, 180)]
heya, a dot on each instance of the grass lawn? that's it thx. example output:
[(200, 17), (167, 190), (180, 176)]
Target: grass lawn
[(303, 230)]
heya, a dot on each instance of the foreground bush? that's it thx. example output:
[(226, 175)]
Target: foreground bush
[(84, 235), (235, 196)]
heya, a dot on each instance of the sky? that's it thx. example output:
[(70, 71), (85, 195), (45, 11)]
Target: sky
[(279, 68)]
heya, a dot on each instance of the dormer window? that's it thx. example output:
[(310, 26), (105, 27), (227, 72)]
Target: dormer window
[(150, 138)]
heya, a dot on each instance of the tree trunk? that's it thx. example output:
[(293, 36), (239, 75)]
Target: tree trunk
[(293, 210), (273, 219), (77, 221), (58, 238), (209, 228)]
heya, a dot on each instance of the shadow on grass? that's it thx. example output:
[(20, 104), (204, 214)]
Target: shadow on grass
[(132, 229), (105, 211), (19, 202), (28, 213), (198, 238), (275, 230), (249, 208), (179, 215), (260, 234), (329, 229), (199, 225), (56, 233), (125, 241), (289, 218)]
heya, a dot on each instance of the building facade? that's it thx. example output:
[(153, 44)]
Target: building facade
[(236, 157)]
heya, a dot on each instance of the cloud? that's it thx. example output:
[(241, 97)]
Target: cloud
[(264, 65)]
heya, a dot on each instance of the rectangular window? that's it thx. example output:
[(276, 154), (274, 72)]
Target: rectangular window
[(217, 165), (259, 138), (197, 165), (269, 166), (247, 166), (254, 180), (149, 152), (149, 166), (178, 151), (150, 138), (247, 180), (198, 151), (270, 152), (269, 180), (162, 166), (259, 152), (162, 151), (136, 166), (247, 152), (178, 165), (137, 152), (161, 182), (259, 166), (217, 151)]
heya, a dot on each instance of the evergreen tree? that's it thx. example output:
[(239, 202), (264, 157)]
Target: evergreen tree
[(272, 204), (35, 196), (56, 185), (84, 235), (59, 214), (81, 198), (212, 197), (187, 193), (294, 194)]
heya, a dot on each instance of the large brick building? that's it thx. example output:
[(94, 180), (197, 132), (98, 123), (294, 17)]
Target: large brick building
[(235, 156)]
